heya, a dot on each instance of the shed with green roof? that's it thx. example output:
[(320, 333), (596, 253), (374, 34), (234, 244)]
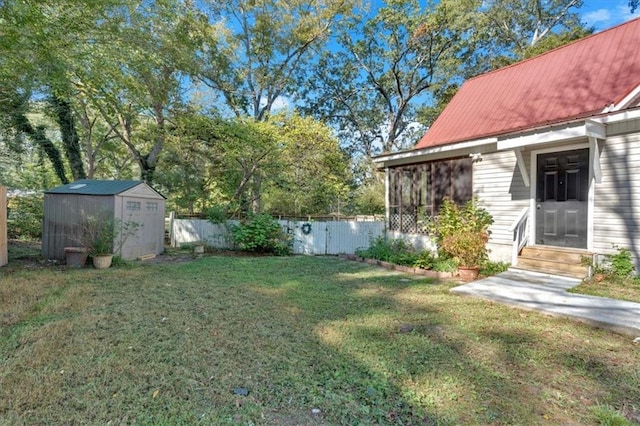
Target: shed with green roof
[(68, 207)]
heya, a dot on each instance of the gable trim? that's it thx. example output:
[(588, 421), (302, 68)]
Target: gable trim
[(627, 100)]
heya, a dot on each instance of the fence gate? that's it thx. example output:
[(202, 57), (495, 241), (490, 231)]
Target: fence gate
[(309, 237), (332, 237)]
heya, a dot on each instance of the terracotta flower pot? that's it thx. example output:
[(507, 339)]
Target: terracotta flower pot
[(75, 257), (468, 273)]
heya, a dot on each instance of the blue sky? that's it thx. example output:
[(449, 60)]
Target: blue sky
[(603, 14)]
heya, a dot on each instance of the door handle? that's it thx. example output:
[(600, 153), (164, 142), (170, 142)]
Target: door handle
[(538, 206)]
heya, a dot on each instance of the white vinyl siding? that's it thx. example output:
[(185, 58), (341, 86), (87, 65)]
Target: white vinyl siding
[(617, 197), (498, 184)]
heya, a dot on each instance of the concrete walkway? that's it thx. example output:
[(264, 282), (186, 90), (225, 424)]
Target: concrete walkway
[(548, 293)]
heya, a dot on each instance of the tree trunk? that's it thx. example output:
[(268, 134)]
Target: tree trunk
[(39, 137), (70, 138)]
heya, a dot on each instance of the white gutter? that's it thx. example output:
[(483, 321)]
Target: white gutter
[(430, 151)]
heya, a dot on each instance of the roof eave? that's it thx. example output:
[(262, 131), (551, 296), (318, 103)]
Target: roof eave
[(417, 155), (589, 126)]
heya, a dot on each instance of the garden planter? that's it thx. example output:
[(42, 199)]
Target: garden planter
[(468, 273), (75, 257), (102, 261)]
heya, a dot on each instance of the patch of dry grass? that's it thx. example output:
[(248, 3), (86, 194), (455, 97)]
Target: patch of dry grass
[(168, 344)]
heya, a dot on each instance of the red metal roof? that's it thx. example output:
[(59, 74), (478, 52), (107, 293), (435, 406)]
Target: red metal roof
[(577, 80)]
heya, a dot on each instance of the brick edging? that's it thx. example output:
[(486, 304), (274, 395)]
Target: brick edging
[(392, 266)]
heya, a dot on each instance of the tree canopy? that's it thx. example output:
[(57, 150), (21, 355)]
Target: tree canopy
[(245, 104)]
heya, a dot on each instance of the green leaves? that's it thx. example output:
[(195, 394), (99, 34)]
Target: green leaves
[(262, 233), (264, 46)]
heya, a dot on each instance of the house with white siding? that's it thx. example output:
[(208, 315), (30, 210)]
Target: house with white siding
[(550, 146)]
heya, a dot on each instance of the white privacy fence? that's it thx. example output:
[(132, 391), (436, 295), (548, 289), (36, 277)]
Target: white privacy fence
[(315, 237)]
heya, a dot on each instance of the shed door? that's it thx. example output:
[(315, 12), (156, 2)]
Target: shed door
[(561, 195)]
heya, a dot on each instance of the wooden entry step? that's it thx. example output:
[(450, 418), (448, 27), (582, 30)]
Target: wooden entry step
[(568, 262)]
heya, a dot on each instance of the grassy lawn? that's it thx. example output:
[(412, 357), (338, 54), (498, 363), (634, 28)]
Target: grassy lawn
[(312, 340), (612, 287)]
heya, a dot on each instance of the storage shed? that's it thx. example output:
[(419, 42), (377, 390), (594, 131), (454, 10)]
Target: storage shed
[(67, 207)]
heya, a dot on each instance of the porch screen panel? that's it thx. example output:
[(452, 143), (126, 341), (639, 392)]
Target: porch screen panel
[(462, 190), (424, 186), (394, 199), (408, 205), (441, 183), (420, 189)]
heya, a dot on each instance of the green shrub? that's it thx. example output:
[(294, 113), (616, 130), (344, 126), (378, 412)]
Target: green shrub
[(618, 267), (468, 248), (453, 219), (621, 264), (397, 251), (262, 233), (460, 232), (25, 215), (379, 249), (489, 268), (425, 260), (445, 265), (406, 258), (103, 234)]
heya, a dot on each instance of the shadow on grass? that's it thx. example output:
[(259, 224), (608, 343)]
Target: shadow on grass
[(314, 341), (413, 336)]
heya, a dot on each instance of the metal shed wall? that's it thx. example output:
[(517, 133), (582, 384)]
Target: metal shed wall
[(63, 218)]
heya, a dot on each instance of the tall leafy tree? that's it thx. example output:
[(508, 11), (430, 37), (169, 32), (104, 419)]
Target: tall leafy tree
[(138, 84), (313, 173), (385, 64), (513, 30), (508, 31), (211, 162), (31, 38), (253, 61)]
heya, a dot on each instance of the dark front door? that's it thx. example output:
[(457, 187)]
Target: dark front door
[(561, 198)]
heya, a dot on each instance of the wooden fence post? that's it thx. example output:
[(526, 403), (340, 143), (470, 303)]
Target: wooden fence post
[(172, 234), (4, 256)]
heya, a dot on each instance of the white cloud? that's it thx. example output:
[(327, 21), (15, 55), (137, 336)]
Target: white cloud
[(596, 17), (608, 17)]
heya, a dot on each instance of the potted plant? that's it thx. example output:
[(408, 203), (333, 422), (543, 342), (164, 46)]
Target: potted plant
[(469, 249), (462, 233), (105, 236), (76, 257)]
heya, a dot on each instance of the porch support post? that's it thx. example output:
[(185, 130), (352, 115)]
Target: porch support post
[(387, 199), (594, 151), (594, 131), (523, 168)]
